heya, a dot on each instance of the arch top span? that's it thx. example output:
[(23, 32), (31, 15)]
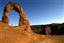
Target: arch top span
[(13, 6)]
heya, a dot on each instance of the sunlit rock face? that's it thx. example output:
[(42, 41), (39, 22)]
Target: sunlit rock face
[(18, 34), (23, 32), (23, 21)]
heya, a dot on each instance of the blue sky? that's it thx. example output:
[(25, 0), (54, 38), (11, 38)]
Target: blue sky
[(38, 11)]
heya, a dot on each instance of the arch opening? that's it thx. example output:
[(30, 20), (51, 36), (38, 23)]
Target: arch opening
[(13, 18)]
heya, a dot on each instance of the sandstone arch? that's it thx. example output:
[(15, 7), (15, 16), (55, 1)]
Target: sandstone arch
[(23, 21)]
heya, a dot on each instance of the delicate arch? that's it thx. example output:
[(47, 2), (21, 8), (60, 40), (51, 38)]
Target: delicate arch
[(23, 21)]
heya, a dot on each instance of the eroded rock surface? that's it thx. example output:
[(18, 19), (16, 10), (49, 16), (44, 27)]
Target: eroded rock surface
[(23, 18)]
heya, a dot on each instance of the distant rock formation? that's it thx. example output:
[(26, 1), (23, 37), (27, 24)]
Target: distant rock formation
[(47, 30), (54, 29)]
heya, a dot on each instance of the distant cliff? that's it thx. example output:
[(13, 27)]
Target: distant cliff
[(56, 29)]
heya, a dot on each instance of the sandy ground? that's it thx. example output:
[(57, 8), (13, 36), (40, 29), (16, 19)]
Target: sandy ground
[(15, 35)]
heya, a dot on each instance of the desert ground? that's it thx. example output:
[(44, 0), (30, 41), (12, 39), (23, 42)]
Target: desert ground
[(10, 34)]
